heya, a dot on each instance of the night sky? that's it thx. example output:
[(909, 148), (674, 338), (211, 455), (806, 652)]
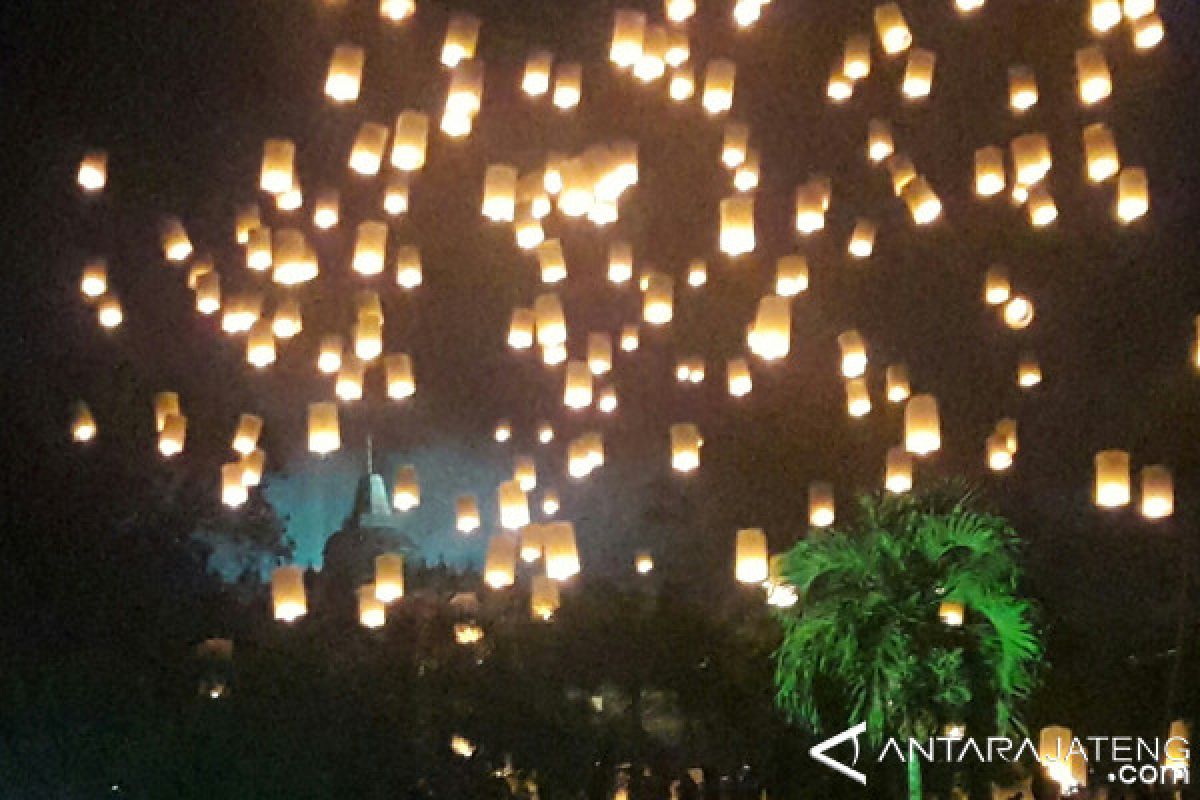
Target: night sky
[(182, 96)]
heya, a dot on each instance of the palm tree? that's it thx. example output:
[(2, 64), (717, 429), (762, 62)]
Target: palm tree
[(867, 643)]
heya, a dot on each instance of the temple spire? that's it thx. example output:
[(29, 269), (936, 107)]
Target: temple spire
[(370, 456)]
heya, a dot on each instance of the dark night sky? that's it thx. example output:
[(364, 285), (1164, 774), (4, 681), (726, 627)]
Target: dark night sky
[(183, 94)]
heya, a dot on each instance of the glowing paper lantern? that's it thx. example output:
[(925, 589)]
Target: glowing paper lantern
[(568, 86), (552, 261), (990, 178), (737, 140), (902, 171), (577, 392), (408, 267), (175, 242), (260, 344), (747, 12), (292, 259), (630, 340), (1094, 79), (291, 200), (922, 425), (409, 145), (1042, 210), (208, 293), (1100, 152), (739, 379), (1031, 158), (643, 563), (923, 204), (951, 613), (368, 336), (324, 433), (287, 593), (1112, 479), (898, 471), (500, 563), (329, 357), (259, 249), (810, 209), (1029, 373), (93, 171), (599, 353), (820, 504), (1022, 89), (248, 218), (1104, 15), (750, 556), (173, 435), (367, 153), (999, 457), (389, 577), (697, 274), (251, 467), (165, 404), (398, 371), (536, 81), (94, 281), (462, 34), (737, 225), (1018, 312), (996, 286), (685, 447), (628, 34), (500, 192), (682, 84), (233, 492), (370, 248), (1133, 194), (679, 10), (325, 209), (658, 301), (1006, 429), (918, 75), (856, 58), (880, 145), (890, 25), (543, 597), (520, 329), (406, 490), (1148, 31), (652, 64), (395, 196), (745, 177), (770, 336), (1158, 492), (245, 437), (858, 399), (1138, 9), (83, 426), (278, 166), (466, 513), (514, 506), (862, 239), (551, 322), (372, 613), (562, 552), (854, 354), (345, 73), (527, 228), (397, 10), (679, 50), (719, 77)]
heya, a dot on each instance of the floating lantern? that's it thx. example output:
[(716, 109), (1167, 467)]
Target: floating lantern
[(902, 171), (533, 542), (856, 58), (1133, 194), (643, 563), (278, 166), (738, 375), (770, 336), (898, 471), (525, 473), (397, 10), (165, 404), (1138, 9), (536, 80), (579, 459), (1029, 374), (679, 10), (1022, 89), (1094, 80), (858, 399), (1066, 768), (1148, 31), (466, 513), (747, 12), (737, 225), (745, 177), (500, 192), (682, 84), (922, 425), (810, 209), (93, 171), (260, 344), (172, 436), (820, 504), (293, 260), (1006, 429), (918, 75), (83, 426), (1112, 478), (348, 385), (345, 73), (1177, 751), (527, 228), (620, 262), (1031, 158), (854, 354), (245, 437), (248, 218), (94, 282), (685, 447), (996, 286), (599, 353), (1104, 15), (545, 433), (658, 301), (578, 188), (568, 86), (291, 200), (552, 261), (202, 266), (923, 204), (234, 493), (697, 274), (551, 322), (367, 153), (898, 389), (1018, 312), (894, 35), (1042, 210), (1100, 152), (999, 457), (398, 371), (840, 87), (719, 77), (329, 356), (543, 597), (750, 556), (368, 336), (630, 340), (259, 249), (241, 312), (1158, 493), (500, 563), (372, 613), (408, 267), (577, 392), (395, 196), (370, 248), (520, 329), (406, 490), (678, 48), (737, 139), (325, 209), (287, 593), (629, 28), (251, 467), (780, 593), (862, 239), (990, 178), (175, 243), (514, 506), (324, 433), (651, 65), (951, 613), (562, 552), (879, 140), (389, 577), (409, 145), (462, 34)]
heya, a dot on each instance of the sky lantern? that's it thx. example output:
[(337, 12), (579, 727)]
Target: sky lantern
[(898, 471), (543, 597), (533, 542), (1133, 194), (545, 433), (345, 73), (629, 30), (395, 195), (248, 218), (1112, 479), (746, 176), (251, 467), (94, 281), (287, 593), (923, 204), (466, 513), (525, 473), (820, 504), (83, 425), (260, 344), (259, 249), (770, 335), (643, 562), (854, 354), (999, 457), (514, 505), (552, 261), (862, 239), (658, 301), (739, 379), (579, 458), (165, 404), (951, 613), (747, 12), (554, 355), (329, 354), (500, 192), (520, 329), (278, 166), (902, 171), (562, 551), (93, 171), (1094, 79), (578, 188), (1018, 312), (1041, 207), (406, 489), (780, 593), (679, 50), (293, 261), (208, 293), (462, 34), (368, 336), (173, 435), (1029, 372), (397, 10), (291, 200), (531, 192), (990, 178), (685, 447), (1006, 429), (1148, 31), (630, 339), (922, 425), (409, 273), (996, 286), (858, 398), (719, 77), (348, 385), (503, 431), (372, 613), (890, 25), (176, 245), (202, 265), (1022, 89), (1104, 15), (577, 392), (620, 261), (856, 57), (969, 6), (652, 64), (682, 84), (679, 10), (245, 436), (366, 155), (599, 353), (750, 556), (241, 312), (411, 140), (918, 74), (370, 247), (500, 563), (737, 225), (810, 208), (840, 87), (791, 275), (880, 144), (398, 372), (1138, 9), (1158, 493), (324, 433), (1031, 157), (389, 577), (568, 85), (697, 273), (551, 322), (1100, 152), (527, 229), (536, 80), (737, 140), (234, 493), (326, 209)]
